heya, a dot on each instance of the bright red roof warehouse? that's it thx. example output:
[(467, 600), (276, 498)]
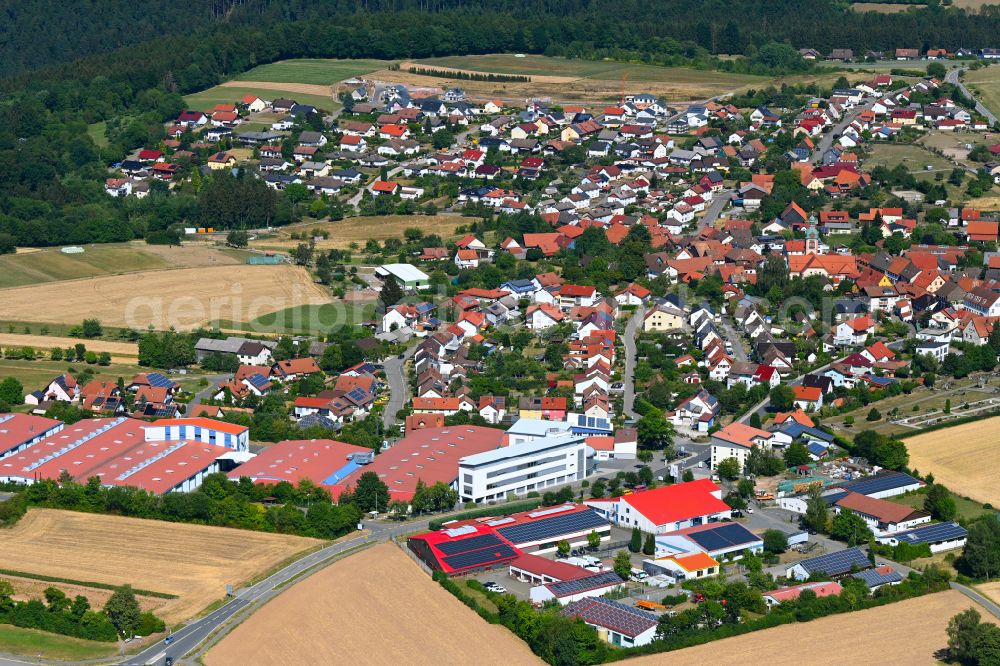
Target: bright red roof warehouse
[(293, 460)]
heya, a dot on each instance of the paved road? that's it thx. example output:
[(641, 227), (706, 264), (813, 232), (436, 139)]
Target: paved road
[(631, 329), (356, 199), (719, 202), (826, 142), (398, 388), (978, 598), (952, 77), (732, 336)]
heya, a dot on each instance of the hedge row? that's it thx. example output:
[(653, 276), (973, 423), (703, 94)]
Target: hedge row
[(502, 510), (82, 583)]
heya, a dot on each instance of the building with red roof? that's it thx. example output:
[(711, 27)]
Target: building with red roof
[(538, 570), (429, 455), (209, 431), (667, 508), (19, 431), (463, 550), (118, 452), (325, 462), (792, 592)]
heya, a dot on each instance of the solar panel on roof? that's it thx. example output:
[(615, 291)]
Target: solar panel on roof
[(357, 395), (880, 483), (723, 536), (839, 562), (258, 381), (613, 615), (933, 533), (567, 587), (479, 557), (159, 381), (558, 525), (470, 544)]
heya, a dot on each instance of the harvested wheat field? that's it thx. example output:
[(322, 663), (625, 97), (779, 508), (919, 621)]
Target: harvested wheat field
[(904, 634), (184, 298), (121, 352), (194, 562), (304, 88), (375, 607), (962, 457)]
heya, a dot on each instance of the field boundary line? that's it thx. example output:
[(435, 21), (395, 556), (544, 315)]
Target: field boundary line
[(84, 583)]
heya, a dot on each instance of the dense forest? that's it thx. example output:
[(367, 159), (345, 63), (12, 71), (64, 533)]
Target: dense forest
[(128, 63)]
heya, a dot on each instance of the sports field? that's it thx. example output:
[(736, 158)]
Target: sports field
[(898, 634), (34, 266), (376, 607), (183, 298), (985, 83), (963, 457), (194, 562)]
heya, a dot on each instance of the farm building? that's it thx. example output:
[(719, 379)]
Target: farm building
[(19, 431), (492, 475), (568, 591), (881, 516), (879, 576), (683, 566), (462, 550), (716, 539), (119, 452), (835, 565), (621, 625), (541, 530), (408, 276), (430, 455), (667, 508), (939, 536), (325, 462), (884, 484), (209, 431)]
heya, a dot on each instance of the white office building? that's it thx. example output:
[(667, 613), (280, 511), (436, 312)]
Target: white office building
[(521, 468)]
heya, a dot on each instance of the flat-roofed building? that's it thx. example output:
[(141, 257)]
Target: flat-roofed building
[(200, 429), (407, 275), (521, 468)]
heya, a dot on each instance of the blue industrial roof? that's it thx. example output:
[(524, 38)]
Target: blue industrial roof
[(556, 526), (340, 474), (880, 483), (723, 537)]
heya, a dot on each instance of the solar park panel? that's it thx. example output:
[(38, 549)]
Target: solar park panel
[(466, 545)]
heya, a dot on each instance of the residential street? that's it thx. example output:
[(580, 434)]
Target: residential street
[(719, 202), (399, 391), (631, 330), (739, 351), (826, 142)]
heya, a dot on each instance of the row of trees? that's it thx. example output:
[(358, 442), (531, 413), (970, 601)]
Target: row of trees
[(121, 616)]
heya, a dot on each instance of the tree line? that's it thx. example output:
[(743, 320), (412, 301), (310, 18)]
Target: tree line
[(469, 76)]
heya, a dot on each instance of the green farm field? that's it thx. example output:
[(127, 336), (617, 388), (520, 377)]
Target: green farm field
[(312, 70), (32, 643), (230, 94), (985, 83)]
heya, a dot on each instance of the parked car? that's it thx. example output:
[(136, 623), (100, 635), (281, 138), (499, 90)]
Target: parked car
[(499, 589)]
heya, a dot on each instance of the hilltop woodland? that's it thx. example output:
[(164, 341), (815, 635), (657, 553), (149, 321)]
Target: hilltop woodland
[(61, 76)]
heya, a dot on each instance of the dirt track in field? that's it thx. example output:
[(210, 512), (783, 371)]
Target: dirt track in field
[(374, 607)]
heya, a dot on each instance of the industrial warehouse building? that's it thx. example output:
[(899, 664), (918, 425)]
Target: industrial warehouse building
[(325, 462), (19, 431), (122, 452), (541, 530)]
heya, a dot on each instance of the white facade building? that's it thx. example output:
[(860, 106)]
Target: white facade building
[(521, 468)]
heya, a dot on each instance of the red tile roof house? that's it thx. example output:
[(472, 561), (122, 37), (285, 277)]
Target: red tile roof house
[(808, 398), (381, 187), (882, 516), (292, 369)]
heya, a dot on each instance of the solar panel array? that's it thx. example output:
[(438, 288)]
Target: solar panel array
[(258, 381), (613, 615), (874, 578), (480, 557), (558, 525), (465, 545), (568, 587), (357, 395), (880, 483), (933, 533), (723, 537), (840, 562), (157, 380)]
